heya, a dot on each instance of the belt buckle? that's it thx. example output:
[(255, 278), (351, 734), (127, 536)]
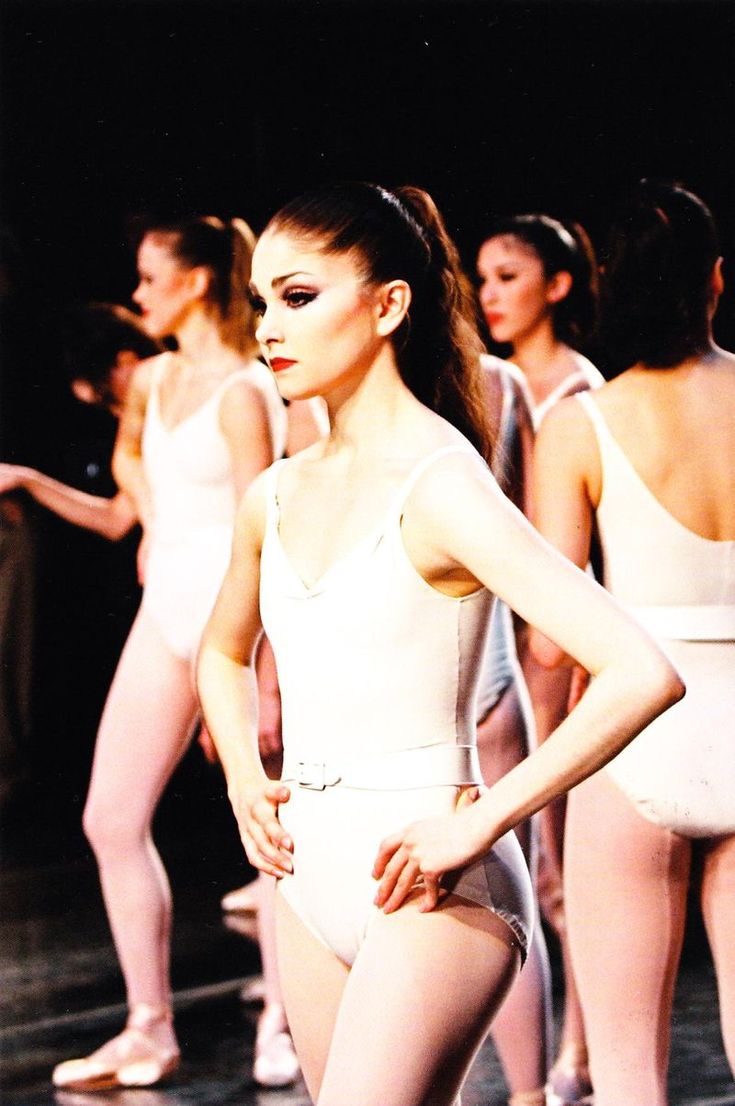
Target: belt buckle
[(311, 774)]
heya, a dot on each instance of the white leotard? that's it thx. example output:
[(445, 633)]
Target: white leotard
[(579, 381), (377, 671), (680, 772), (189, 472)]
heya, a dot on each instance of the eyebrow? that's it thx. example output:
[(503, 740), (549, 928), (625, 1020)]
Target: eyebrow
[(278, 281)]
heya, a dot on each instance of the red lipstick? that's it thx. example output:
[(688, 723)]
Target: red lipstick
[(278, 364)]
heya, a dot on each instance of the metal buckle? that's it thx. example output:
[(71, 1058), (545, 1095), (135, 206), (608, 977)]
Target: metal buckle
[(311, 774)]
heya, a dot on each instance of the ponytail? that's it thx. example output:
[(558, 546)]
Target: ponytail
[(401, 235), (226, 250)]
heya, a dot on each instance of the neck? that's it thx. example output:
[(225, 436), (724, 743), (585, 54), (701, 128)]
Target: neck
[(544, 360), (364, 416), (199, 340)]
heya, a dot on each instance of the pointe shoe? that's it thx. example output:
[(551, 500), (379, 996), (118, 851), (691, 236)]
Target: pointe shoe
[(569, 1086), (243, 900), (275, 1064), (132, 1059)]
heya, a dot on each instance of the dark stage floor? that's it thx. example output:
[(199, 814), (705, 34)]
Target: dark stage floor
[(62, 996)]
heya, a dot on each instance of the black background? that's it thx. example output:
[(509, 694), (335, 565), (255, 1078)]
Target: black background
[(230, 108)]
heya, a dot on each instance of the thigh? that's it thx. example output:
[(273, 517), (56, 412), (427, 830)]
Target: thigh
[(718, 906), (626, 883), (312, 980), (412, 1015), (146, 724)]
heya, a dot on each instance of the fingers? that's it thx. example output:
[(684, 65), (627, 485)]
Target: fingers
[(431, 894), (385, 852), (266, 843)]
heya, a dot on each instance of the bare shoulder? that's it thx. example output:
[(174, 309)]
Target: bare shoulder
[(145, 371), (567, 425), (252, 510)]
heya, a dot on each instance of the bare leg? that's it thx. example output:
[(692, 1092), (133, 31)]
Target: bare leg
[(313, 980), (275, 1061), (626, 884), (521, 1030), (412, 1017), (143, 733), (718, 905)]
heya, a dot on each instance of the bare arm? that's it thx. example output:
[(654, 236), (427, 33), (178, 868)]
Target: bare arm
[(461, 522), (111, 517), (127, 459), (228, 694)]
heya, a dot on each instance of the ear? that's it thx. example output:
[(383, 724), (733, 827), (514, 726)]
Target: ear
[(394, 300), (717, 280), (198, 281), (559, 286), (83, 391)]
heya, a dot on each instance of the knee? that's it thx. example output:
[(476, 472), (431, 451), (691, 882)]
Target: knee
[(108, 828)]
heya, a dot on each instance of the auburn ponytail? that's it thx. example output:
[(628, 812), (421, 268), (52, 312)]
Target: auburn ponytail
[(401, 235)]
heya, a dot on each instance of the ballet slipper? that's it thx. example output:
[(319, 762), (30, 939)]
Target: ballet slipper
[(276, 1064), (132, 1059), (243, 900), (252, 991), (528, 1098), (569, 1080)]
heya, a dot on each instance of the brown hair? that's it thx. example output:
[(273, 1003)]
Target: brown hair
[(401, 235)]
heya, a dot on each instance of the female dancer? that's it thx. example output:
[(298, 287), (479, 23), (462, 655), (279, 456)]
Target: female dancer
[(651, 459), (103, 358), (538, 293), (373, 557), (197, 426), (522, 1029)]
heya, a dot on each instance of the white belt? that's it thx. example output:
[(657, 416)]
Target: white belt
[(424, 766), (704, 623)]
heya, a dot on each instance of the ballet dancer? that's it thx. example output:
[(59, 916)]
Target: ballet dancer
[(372, 559), (108, 344), (538, 293), (197, 426), (650, 460)]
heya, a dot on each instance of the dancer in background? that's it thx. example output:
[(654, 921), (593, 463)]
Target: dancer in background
[(650, 459), (522, 1029), (373, 557), (107, 345), (197, 426), (538, 294)]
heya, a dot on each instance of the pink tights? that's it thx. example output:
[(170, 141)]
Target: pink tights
[(626, 884), (144, 731)]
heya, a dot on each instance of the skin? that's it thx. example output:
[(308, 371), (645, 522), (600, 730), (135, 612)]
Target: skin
[(518, 299), (317, 310), (675, 428)]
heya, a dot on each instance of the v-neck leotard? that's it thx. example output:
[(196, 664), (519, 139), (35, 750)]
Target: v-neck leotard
[(377, 671), (189, 472), (680, 772)]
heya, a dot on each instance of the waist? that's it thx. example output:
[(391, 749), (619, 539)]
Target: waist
[(714, 622), (402, 770)]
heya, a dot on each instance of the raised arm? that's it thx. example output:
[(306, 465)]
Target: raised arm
[(458, 526), (112, 517), (228, 693)]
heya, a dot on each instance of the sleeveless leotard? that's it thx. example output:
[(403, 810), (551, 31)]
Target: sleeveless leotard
[(579, 381), (680, 772), (189, 472), (377, 671)]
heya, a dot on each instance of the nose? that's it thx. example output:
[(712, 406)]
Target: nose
[(266, 331), (137, 296), (487, 293)]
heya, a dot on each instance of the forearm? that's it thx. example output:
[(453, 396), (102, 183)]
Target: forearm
[(111, 517), (229, 698), (130, 477), (619, 703)]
